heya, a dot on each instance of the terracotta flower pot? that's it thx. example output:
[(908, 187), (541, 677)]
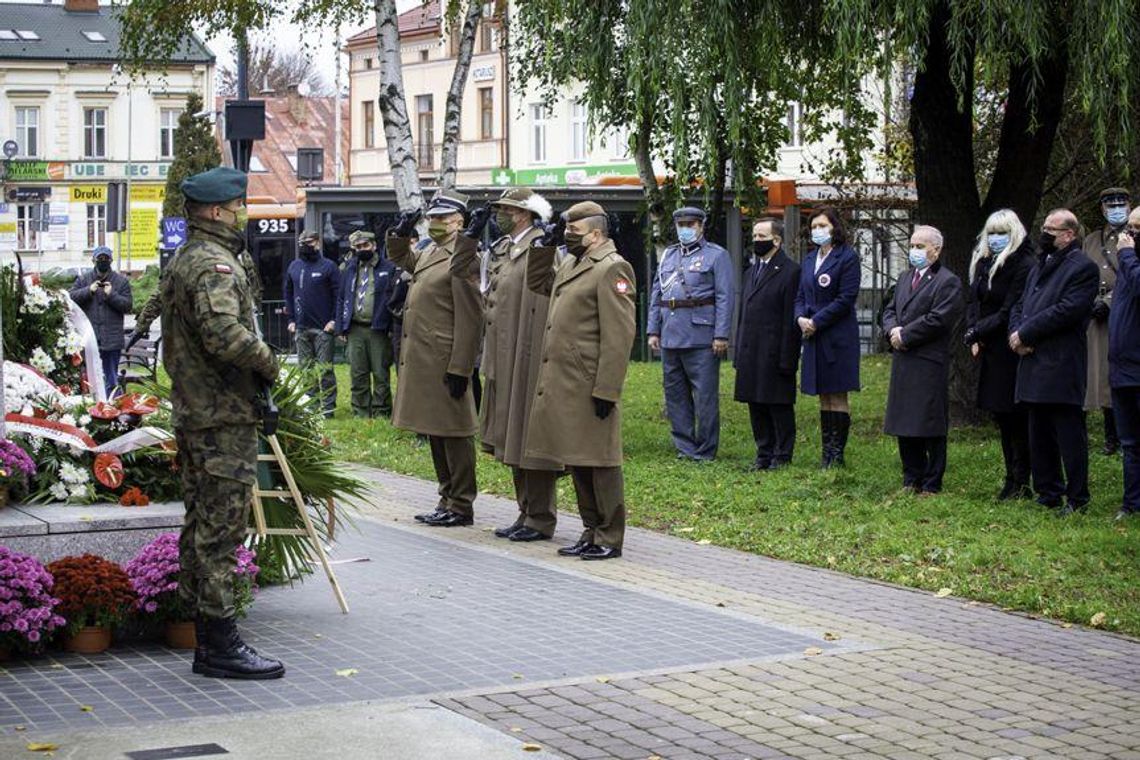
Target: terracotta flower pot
[(180, 635), (90, 639)]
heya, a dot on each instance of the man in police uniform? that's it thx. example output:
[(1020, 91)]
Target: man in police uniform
[(1100, 246), (217, 366), (576, 418), (690, 313), (514, 317), (442, 320)]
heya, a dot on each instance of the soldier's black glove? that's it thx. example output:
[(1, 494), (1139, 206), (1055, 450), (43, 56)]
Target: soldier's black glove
[(479, 219), (602, 408), (971, 337), (407, 224), (1100, 310), (134, 338), (456, 384), (555, 233)]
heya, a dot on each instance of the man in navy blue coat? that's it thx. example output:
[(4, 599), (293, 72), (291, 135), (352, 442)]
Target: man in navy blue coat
[(1048, 331), (1124, 361), (690, 315), (362, 320), (311, 285)]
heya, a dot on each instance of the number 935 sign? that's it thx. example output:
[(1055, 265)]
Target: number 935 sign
[(274, 226)]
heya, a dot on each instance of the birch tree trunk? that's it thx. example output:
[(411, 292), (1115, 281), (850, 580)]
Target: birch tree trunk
[(394, 110), (448, 164)]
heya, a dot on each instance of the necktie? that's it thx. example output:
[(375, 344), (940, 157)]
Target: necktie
[(915, 279), (364, 280)]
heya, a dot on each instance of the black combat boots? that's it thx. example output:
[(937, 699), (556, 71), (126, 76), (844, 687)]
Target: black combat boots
[(222, 654)]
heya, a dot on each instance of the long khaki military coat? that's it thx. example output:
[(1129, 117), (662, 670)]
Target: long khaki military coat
[(513, 326), (441, 331), (585, 354), (1100, 247)]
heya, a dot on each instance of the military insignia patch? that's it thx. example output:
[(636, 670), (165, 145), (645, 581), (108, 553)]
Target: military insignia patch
[(695, 266), (824, 280), (622, 287), (223, 268)]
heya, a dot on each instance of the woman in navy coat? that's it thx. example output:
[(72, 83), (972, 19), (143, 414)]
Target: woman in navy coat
[(825, 313)]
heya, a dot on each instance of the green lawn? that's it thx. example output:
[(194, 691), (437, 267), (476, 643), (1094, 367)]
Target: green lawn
[(855, 520)]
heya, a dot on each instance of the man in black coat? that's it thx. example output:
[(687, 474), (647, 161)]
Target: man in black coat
[(105, 297), (919, 322), (1048, 331), (768, 349)]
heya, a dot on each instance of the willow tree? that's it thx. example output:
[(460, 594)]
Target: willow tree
[(153, 30)]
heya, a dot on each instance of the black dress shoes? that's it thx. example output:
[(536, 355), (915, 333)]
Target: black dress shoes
[(440, 511), (506, 532), (528, 534), (449, 520), (575, 550), (596, 552)]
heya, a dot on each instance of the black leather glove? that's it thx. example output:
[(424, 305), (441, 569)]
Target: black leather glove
[(456, 384), (555, 233), (971, 337), (479, 219), (407, 224), (1100, 310), (134, 338), (602, 408)]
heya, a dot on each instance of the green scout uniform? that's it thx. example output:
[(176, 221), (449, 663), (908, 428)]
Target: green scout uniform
[(217, 365), (369, 352)]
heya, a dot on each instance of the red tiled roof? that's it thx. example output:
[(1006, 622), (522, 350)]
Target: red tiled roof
[(421, 20), (284, 134)]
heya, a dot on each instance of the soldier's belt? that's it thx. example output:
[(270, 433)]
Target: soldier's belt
[(686, 303)]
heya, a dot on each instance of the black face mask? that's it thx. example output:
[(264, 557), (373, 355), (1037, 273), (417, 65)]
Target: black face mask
[(761, 248), (102, 267), (364, 255), (309, 253), (1048, 242)]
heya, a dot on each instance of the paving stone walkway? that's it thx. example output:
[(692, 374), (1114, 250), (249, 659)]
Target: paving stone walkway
[(676, 651)]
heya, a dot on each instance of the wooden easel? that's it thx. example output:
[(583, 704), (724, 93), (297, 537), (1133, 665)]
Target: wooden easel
[(294, 493)]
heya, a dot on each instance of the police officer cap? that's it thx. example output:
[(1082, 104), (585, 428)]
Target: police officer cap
[(360, 237), (102, 252), (447, 202), (215, 186), (583, 210), (1115, 194), (309, 236), (689, 214)]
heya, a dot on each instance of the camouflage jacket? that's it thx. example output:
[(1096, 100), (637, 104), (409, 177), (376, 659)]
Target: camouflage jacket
[(213, 356), (152, 309)]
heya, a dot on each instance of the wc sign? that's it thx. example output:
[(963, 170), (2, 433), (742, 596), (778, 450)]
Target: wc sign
[(173, 232)]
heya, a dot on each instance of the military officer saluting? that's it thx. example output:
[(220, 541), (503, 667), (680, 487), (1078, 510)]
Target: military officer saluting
[(690, 314), (441, 330), (514, 317), (576, 417), (217, 366)]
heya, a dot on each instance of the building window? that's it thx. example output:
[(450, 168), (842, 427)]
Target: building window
[(94, 132), (424, 55), (577, 131), (538, 114), (28, 131), (795, 125), (367, 63), (485, 45), (486, 113), (369, 124), (620, 142), (424, 131), (96, 225), (28, 216), (167, 124)]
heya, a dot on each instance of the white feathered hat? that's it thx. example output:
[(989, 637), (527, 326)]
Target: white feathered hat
[(528, 200)]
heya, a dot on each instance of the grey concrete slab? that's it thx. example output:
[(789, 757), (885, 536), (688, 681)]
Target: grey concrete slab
[(87, 518), (416, 731), (16, 522)]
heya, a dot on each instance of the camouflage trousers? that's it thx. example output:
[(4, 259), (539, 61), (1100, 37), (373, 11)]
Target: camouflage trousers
[(219, 469)]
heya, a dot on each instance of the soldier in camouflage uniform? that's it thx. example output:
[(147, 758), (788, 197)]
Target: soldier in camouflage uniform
[(217, 366)]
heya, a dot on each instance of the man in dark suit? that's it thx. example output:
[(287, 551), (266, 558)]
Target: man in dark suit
[(1048, 331), (919, 321), (769, 346), (1124, 362)]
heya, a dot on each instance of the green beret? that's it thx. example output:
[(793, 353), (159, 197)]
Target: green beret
[(361, 236), (215, 186), (584, 210)]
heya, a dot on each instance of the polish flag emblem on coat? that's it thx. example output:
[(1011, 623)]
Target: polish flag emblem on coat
[(622, 287)]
